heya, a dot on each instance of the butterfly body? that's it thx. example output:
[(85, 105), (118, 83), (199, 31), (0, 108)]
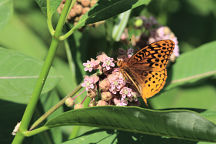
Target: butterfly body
[(147, 68)]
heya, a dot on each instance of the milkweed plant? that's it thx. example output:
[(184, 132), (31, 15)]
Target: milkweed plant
[(77, 81)]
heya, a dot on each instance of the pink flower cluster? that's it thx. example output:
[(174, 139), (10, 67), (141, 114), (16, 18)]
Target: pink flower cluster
[(113, 88)]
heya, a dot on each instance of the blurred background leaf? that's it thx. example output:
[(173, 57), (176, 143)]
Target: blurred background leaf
[(18, 76), (6, 9)]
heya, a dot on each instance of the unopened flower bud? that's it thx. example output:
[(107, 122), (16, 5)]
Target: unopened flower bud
[(104, 85), (84, 10), (78, 9), (93, 2), (106, 96), (69, 102), (92, 93), (85, 3), (138, 23), (72, 13), (78, 106), (102, 103)]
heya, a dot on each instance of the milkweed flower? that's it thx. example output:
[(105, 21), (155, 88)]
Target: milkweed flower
[(89, 82), (126, 92), (108, 63), (90, 65)]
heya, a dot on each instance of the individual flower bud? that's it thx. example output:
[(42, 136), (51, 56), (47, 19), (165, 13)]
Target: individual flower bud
[(92, 103), (59, 9), (71, 14), (78, 9), (78, 106), (95, 78), (85, 3), (138, 22), (106, 96), (102, 103), (104, 85), (92, 93), (69, 102), (84, 10), (93, 2)]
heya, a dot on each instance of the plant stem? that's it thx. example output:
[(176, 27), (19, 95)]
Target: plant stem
[(55, 107), (36, 131), (42, 77)]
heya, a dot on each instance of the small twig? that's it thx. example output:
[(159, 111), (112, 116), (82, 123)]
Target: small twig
[(54, 108)]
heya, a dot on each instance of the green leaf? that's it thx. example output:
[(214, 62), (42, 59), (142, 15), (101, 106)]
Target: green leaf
[(120, 26), (101, 136), (16, 35), (53, 5), (18, 76), (181, 124), (94, 136), (194, 65), (105, 9), (6, 9)]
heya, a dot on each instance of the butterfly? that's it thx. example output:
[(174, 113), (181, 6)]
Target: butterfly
[(147, 68)]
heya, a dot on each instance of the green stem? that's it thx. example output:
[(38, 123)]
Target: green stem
[(42, 77), (65, 36), (55, 107), (36, 131)]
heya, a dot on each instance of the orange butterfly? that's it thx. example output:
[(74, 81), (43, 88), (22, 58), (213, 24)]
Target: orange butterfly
[(147, 68)]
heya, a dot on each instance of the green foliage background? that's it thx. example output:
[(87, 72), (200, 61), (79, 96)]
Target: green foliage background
[(23, 28)]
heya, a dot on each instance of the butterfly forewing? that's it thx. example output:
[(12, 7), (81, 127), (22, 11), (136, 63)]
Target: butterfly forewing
[(153, 57)]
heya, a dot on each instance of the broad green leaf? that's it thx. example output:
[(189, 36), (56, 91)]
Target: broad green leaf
[(6, 9), (120, 25), (101, 136), (18, 76), (53, 5), (16, 35), (194, 65), (181, 124), (105, 9), (94, 136)]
